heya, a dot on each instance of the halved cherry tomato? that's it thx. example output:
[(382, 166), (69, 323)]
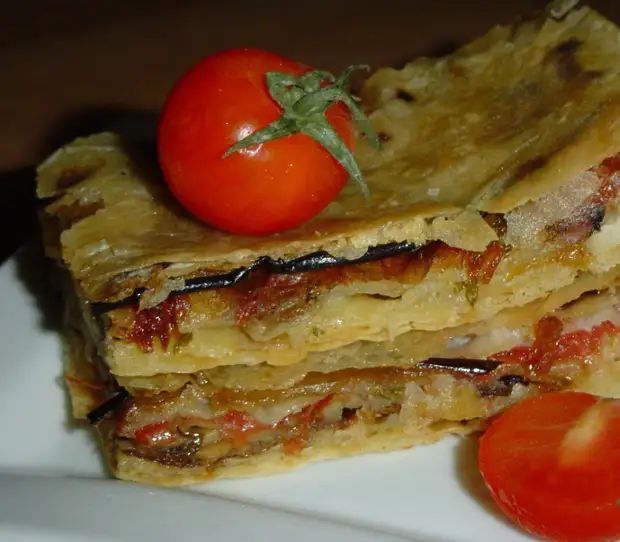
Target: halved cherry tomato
[(259, 190), (552, 464)]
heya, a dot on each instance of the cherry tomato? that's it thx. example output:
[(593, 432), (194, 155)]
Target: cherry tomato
[(259, 190), (552, 464)]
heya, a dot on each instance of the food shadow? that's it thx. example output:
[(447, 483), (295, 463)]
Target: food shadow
[(23, 240), (470, 480), (34, 270)]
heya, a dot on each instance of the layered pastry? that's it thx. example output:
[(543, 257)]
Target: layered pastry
[(481, 270)]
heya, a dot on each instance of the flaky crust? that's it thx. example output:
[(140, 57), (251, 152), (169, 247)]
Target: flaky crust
[(503, 121)]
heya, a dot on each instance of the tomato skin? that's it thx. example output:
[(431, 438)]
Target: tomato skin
[(260, 190), (557, 492)]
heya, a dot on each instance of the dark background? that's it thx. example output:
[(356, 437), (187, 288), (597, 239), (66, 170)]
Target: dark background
[(69, 67)]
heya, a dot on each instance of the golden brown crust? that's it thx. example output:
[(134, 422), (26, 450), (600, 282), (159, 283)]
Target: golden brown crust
[(80, 376), (503, 121), (506, 119)]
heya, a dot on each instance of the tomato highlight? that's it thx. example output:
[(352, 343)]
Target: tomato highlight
[(552, 464)]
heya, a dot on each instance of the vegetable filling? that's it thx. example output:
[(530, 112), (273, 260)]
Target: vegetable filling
[(201, 425)]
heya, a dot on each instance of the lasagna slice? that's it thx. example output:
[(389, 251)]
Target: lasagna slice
[(376, 325)]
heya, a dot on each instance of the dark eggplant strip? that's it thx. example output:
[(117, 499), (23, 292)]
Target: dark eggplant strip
[(512, 380), (460, 365), (109, 407), (311, 262), (596, 215), (501, 386)]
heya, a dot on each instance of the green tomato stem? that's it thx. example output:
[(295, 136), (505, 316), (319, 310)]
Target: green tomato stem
[(304, 101)]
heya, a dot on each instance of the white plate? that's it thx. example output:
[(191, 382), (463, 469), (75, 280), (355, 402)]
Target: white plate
[(54, 487)]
